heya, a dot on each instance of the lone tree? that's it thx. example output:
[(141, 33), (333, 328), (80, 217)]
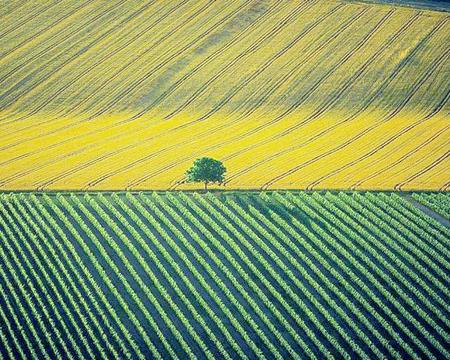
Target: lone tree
[(206, 170)]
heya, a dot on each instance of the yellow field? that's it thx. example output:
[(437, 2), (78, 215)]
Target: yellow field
[(288, 94)]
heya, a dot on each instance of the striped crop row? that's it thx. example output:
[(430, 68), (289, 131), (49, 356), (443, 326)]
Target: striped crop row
[(232, 275)]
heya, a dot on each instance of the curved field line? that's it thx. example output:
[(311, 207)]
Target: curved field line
[(350, 81), (131, 62), (263, 67), (27, 18), (95, 160), (72, 125), (437, 149), (412, 151), (166, 61), (69, 60), (15, 120), (369, 129), (13, 9), (204, 62), (369, 100), (209, 131), (48, 49), (53, 145), (146, 177), (142, 78), (89, 69), (338, 31), (335, 97), (241, 56), (405, 26), (45, 29), (356, 75), (47, 101), (385, 84), (429, 167), (255, 46), (390, 116), (302, 99), (22, 156)]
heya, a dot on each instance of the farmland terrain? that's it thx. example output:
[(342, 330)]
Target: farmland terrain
[(312, 94), (222, 275)]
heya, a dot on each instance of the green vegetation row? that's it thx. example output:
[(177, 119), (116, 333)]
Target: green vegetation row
[(222, 276), (439, 202)]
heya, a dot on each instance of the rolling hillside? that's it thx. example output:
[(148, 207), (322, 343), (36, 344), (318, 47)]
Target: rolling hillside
[(222, 276), (288, 94)]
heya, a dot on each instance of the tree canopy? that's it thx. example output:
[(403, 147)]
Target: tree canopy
[(206, 170)]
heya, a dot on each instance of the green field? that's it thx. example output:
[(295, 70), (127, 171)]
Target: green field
[(222, 275)]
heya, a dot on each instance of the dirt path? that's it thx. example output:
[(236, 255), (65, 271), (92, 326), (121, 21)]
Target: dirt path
[(427, 210)]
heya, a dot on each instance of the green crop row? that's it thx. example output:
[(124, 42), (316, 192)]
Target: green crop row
[(222, 275)]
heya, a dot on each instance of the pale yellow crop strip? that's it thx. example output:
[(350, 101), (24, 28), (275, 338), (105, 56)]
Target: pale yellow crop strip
[(393, 152), (287, 94), (297, 81), (65, 127), (102, 49), (273, 88), (150, 80), (210, 19), (68, 13), (344, 71), (28, 145), (89, 56), (234, 61), (271, 19), (53, 99), (260, 46), (391, 139), (28, 56), (371, 84), (140, 73), (115, 75), (246, 80), (13, 8), (65, 57), (213, 57), (15, 25), (314, 64), (290, 171), (44, 122)]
